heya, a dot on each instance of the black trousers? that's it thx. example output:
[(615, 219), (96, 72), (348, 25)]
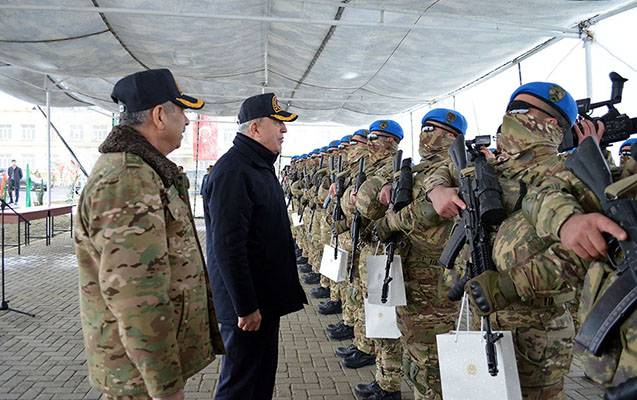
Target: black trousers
[(248, 368)]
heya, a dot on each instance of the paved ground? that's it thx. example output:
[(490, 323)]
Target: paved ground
[(42, 358)]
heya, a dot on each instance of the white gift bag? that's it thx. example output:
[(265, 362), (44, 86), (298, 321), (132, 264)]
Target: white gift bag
[(296, 220), (375, 277), (380, 321), (463, 365), (334, 268)]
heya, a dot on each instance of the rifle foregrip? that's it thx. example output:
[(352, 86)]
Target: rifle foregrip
[(452, 249)]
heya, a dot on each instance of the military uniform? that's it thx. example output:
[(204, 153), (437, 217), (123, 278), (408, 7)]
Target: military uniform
[(389, 352), (145, 302), (541, 326), (548, 207), (423, 235)]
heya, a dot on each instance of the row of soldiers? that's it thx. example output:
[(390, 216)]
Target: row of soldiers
[(543, 269)]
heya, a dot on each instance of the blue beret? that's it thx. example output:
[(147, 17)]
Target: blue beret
[(333, 144), (324, 149), (387, 126), (346, 138), (552, 94), (295, 158), (628, 142), (451, 118), (361, 132)]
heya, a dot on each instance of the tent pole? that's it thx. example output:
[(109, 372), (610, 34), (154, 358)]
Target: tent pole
[(588, 40), (48, 136), (411, 124)]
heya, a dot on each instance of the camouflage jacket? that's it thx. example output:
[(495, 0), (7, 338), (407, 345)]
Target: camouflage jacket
[(145, 301), (535, 264)]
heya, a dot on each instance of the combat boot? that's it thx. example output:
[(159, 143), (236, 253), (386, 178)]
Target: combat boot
[(344, 333), (347, 351), (358, 359), (301, 260), (312, 278), (363, 390), (305, 268), (383, 395), (330, 307), (320, 292)]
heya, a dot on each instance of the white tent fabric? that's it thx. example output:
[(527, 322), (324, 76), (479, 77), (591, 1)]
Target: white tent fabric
[(344, 62)]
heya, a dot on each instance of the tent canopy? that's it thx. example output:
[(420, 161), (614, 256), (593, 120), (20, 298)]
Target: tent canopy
[(344, 62)]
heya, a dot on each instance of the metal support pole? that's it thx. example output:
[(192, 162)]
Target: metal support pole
[(48, 135), (587, 37), (520, 73), (411, 124)]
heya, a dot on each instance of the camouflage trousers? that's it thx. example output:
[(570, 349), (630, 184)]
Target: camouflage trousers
[(428, 313), (543, 341), (137, 397), (389, 360), (357, 294), (619, 360)]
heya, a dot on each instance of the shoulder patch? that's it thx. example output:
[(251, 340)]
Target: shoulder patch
[(132, 160)]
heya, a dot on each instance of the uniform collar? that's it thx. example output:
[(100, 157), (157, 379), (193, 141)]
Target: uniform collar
[(255, 151)]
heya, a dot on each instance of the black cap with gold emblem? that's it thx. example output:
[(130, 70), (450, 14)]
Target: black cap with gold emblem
[(264, 105), (146, 89)]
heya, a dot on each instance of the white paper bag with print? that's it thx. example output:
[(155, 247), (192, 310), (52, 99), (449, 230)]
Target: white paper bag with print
[(296, 220), (380, 321), (376, 275), (334, 268), (463, 366)]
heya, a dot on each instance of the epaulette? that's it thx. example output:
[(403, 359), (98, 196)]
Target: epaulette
[(133, 160)]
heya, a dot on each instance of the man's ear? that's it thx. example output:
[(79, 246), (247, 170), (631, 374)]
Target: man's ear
[(157, 116)]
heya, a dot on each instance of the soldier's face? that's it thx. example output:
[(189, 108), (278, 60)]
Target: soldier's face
[(382, 143), (269, 132)]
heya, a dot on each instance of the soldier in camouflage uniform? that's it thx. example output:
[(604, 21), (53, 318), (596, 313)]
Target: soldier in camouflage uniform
[(383, 139), (525, 295), (565, 211), (145, 301), (423, 235), (351, 299)]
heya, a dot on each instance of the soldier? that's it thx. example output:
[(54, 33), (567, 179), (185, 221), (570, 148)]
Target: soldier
[(384, 137), (352, 299), (530, 305), (422, 236), (565, 212), (145, 302), (627, 164)]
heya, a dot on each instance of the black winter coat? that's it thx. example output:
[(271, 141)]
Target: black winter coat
[(250, 249)]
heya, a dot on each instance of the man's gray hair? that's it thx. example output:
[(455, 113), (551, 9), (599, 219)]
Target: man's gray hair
[(245, 127), (139, 117)]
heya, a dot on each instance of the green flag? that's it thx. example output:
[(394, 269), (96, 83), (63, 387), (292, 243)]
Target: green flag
[(28, 188)]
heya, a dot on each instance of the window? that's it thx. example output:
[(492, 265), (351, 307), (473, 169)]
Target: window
[(77, 133), (5, 162), (5, 132), (28, 132), (100, 132)]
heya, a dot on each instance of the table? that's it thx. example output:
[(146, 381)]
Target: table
[(48, 213)]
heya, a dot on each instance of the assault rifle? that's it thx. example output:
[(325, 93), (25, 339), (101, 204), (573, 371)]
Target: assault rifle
[(317, 184), (620, 298), (356, 220), (482, 194), (400, 197), (618, 127), (337, 213)]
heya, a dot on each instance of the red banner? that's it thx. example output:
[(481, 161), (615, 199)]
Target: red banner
[(205, 139)]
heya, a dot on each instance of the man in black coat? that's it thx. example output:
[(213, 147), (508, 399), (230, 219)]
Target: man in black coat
[(251, 251), (15, 175)]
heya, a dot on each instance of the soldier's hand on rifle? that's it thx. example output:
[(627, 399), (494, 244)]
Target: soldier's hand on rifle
[(383, 226), (585, 128), (332, 190), (352, 198), (583, 234), (250, 322), (446, 201), (491, 291), (384, 196), (487, 153)]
